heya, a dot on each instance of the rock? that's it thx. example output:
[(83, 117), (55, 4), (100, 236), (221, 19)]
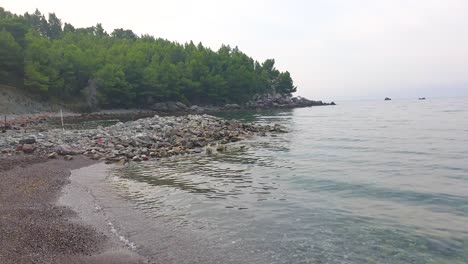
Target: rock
[(232, 106), (276, 100), (27, 141), (197, 109), (67, 150), (68, 157), (221, 148), (235, 139), (155, 137), (197, 150), (28, 148), (209, 150), (175, 151), (121, 162), (181, 105), (7, 150), (119, 147), (136, 158), (169, 107), (52, 155), (144, 151)]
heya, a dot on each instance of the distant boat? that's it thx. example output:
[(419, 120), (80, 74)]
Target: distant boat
[(422, 98), (387, 99)]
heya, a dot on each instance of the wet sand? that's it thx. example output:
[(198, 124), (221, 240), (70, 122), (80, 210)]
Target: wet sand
[(35, 229)]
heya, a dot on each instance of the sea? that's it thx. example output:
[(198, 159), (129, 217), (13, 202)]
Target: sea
[(360, 182)]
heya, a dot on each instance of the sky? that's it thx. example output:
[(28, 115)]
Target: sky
[(334, 49)]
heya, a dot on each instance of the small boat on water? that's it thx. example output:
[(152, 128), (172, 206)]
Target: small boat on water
[(422, 98), (388, 99)]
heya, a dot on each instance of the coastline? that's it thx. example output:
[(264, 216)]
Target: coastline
[(78, 196), (91, 195), (49, 215), (35, 227), (20, 115)]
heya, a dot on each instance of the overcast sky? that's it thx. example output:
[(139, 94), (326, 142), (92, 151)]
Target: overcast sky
[(334, 49)]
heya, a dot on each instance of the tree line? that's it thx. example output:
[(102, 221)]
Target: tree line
[(56, 60)]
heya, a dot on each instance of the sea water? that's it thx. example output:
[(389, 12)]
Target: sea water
[(360, 182)]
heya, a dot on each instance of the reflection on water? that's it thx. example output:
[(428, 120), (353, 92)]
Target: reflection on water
[(356, 183)]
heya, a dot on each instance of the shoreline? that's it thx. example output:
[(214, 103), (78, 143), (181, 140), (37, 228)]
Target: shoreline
[(34, 228), (48, 213), (19, 120), (80, 198), (37, 226), (133, 235), (269, 102)]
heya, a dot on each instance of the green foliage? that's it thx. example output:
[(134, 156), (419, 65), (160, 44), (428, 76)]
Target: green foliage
[(10, 57), (37, 70), (54, 27), (34, 79), (285, 83), (115, 89), (123, 34), (60, 61)]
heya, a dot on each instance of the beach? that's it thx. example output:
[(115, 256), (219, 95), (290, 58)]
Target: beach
[(361, 182), (35, 229)]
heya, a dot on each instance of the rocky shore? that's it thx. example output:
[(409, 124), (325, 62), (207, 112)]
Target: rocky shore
[(35, 165), (258, 102), (140, 140)]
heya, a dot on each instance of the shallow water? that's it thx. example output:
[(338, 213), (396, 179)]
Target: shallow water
[(361, 182)]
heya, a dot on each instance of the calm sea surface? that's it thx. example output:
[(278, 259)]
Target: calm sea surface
[(360, 182)]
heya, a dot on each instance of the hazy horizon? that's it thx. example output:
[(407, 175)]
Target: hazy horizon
[(334, 49)]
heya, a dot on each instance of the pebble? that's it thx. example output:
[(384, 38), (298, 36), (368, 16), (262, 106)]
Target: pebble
[(140, 140), (52, 155)]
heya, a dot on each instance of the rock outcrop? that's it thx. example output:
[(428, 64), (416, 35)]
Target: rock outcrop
[(169, 107), (282, 101)]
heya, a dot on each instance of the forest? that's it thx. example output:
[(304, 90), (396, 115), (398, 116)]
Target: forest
[(55, 60)]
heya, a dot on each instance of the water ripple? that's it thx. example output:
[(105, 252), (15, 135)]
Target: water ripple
[(356, 183)]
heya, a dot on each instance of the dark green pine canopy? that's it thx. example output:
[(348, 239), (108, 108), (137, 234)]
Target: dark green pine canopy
[(55, 60)]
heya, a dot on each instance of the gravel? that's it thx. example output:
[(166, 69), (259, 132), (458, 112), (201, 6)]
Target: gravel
[(33, 228)]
